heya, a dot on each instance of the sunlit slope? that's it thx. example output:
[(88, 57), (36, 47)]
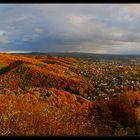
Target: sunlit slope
[(25, 72), (6, 59)]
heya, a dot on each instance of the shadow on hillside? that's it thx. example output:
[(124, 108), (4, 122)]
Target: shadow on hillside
[(11, 66)]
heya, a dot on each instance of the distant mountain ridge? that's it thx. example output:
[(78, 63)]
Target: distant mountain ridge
[(92, 56), (84, 55)]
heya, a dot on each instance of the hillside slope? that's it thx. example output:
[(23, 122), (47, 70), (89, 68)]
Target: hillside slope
[(41, 95), (25, 73)]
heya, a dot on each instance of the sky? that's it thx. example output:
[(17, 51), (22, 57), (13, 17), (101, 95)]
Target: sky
[(90, 28)]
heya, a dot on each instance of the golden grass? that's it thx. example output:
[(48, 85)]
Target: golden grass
[(28, 115)]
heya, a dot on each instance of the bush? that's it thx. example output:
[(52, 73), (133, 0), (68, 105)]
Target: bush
[(123, 109), (41, 65), (46, 94)]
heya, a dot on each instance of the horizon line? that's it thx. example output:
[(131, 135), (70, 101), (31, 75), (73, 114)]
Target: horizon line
[(20, 51)]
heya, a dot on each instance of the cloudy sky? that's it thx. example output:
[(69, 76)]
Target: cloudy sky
[(94, 28)]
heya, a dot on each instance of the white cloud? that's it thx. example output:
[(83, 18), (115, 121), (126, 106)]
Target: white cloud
[(4, 37), (2, 33), (38, 30), (77, 20)]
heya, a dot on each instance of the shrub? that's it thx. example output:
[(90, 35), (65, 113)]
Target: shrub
[(41, 65), (46, 94), (123, 109)]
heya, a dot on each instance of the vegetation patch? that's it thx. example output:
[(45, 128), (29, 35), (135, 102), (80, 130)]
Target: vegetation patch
[(41, 65), (46, 94)]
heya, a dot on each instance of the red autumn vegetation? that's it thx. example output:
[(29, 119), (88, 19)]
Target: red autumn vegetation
[(41, 95)]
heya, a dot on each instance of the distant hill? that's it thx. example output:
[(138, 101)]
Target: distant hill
[(93, 56)]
